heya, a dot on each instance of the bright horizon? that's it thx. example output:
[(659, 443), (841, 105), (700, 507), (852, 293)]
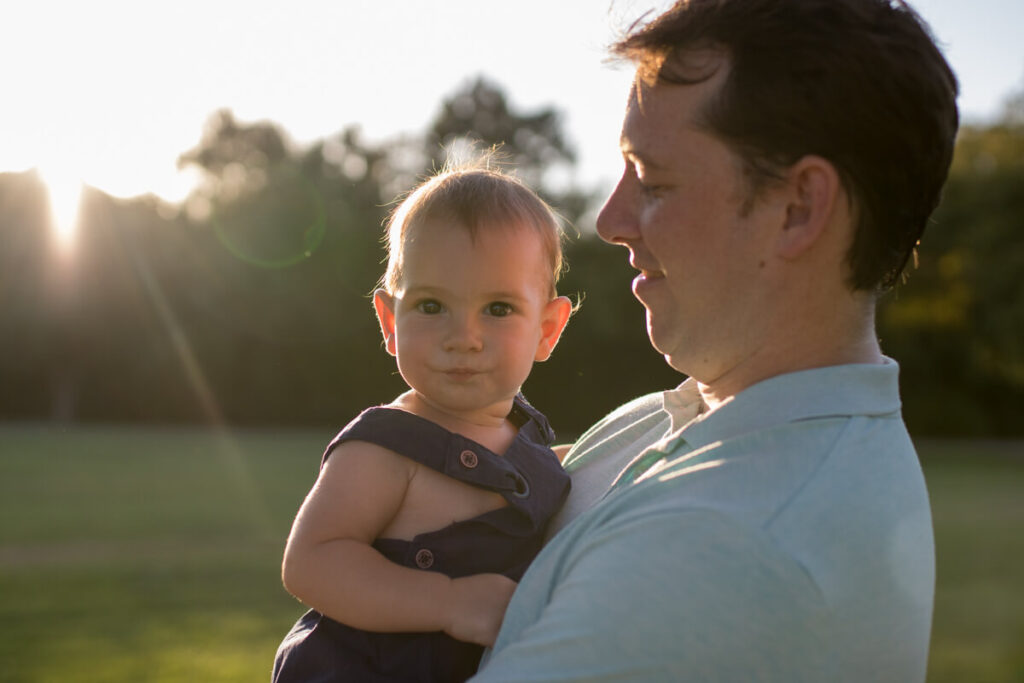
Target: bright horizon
[(109, 93)]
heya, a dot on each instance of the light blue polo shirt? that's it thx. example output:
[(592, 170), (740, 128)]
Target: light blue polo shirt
[(784, 536)]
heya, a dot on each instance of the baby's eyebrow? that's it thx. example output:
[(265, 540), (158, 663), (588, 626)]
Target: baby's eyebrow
[(424, 290), (505, 295)]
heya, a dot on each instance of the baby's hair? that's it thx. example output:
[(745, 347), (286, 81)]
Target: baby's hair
[(475, 197)]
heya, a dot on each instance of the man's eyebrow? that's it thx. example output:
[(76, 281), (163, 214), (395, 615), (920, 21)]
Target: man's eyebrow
[(636, 156)]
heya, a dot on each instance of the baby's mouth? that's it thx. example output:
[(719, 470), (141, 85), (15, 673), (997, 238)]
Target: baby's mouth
[(461, 372)]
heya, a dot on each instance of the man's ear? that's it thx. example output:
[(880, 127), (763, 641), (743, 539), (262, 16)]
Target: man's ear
[(553, 319), (384, 304), (813, 191)]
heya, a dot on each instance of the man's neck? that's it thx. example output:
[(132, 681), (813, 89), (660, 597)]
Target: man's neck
[(842, 340)]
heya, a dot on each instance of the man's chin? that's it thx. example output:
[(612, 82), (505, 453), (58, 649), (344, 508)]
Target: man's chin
[(665, 344), (658, 340)]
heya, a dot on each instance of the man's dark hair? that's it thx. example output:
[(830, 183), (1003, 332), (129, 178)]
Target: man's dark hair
[(858, 82)]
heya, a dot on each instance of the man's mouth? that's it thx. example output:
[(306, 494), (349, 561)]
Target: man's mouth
[(651, 274), (647, 272), (645, 281)]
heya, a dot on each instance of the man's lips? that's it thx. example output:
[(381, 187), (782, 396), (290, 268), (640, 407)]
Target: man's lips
[(647, 274), (650, 274), (647, 271), (645, 280)]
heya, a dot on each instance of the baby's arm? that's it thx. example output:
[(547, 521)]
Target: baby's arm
[(329, 563)]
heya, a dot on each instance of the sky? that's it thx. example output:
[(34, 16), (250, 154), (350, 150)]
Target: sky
[(111, 92)]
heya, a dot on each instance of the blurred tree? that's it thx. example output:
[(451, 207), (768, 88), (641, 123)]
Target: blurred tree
[(956, 324), (290, 259), (236, 157), (250, 303), (479, 116), (479, 113), (34, 297)]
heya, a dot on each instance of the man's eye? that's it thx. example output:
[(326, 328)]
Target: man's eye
[(428, 306), (499, 309), (650, 189)]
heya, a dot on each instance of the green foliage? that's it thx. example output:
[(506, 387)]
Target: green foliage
[(956, 324), (532, 144), (480, 113), (230, 151), (249, 303), (31, 309)]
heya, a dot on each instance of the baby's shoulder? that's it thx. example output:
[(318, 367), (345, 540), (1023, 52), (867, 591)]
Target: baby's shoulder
[(379, 425), (363, 456)]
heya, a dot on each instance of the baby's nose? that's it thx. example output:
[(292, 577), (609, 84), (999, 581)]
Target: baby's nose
[(464, 334)]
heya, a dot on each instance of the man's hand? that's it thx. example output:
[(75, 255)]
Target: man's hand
[(477, 607)]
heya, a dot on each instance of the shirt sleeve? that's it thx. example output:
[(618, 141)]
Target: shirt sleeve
[(689, 596)]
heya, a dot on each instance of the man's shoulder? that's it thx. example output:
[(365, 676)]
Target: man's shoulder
[(625, 424), (639, 408), (814, 472), (640, 405)]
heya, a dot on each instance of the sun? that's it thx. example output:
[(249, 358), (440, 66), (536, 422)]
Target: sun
[(65, 191)]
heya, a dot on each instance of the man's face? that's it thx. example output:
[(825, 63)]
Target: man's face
[(680, 208)]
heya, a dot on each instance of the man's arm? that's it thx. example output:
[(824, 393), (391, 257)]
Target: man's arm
[(669, 596)]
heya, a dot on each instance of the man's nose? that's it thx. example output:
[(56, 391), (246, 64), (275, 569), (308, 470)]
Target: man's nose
[(616, 223)]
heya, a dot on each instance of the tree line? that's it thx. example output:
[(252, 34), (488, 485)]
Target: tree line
[(248, 303)]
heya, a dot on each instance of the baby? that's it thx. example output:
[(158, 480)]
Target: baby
[(429, 509)]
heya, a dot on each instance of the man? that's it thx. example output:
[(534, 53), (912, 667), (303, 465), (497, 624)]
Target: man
[(767, 520)]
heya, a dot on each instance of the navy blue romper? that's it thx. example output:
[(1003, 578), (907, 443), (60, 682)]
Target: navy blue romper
[(502, 541)]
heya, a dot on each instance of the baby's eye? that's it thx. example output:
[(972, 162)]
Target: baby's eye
[(428, 306), (499, 309)]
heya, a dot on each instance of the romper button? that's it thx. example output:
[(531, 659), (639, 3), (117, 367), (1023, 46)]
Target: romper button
[(468, 459), (424, 558)]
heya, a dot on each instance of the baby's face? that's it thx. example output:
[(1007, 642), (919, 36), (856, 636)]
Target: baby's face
[(470, 315)]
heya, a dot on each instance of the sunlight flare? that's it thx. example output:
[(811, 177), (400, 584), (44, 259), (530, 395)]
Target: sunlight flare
[(235, 463), (65, 190)]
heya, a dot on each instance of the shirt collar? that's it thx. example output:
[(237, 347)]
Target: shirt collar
[(835, 391), (683, 404)]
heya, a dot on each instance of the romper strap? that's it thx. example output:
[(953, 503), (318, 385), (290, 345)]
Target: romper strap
[(434, 446), (534, 422)]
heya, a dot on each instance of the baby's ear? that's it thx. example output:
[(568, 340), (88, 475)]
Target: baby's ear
[(555, 316), (384, 304)]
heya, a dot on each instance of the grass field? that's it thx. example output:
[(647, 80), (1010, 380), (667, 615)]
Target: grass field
[(152, 554)]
